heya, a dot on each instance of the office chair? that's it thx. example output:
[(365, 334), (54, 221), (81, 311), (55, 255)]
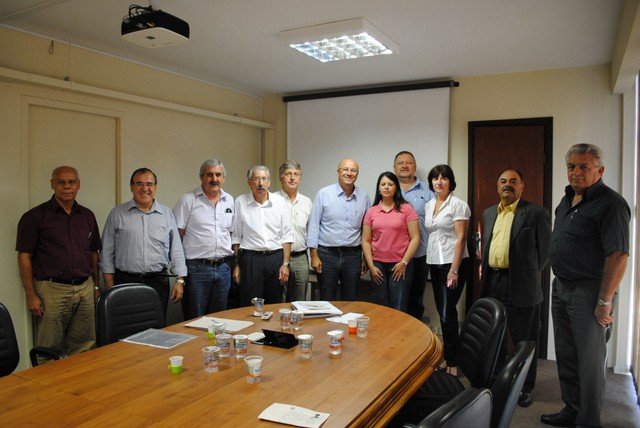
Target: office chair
[(9, 351), (480, 337), (127, 309), (507, 386), (471, 408)]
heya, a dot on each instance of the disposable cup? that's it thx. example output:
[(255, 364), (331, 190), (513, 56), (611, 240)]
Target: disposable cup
[(175, 363), (211, 356), (253, 364), (224, 343), (353, 326), (258, 306), (335, 341), (296, 319), (305, 346), (363, 326), (240, 344), (285, 318)]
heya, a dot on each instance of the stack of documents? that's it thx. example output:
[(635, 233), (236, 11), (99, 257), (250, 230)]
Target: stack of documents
[(316, 309)]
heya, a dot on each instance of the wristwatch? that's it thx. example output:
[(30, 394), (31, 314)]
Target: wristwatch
[(603, 303), (180, 281), (286, 264)]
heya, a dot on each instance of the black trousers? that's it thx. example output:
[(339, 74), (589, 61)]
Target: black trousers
[(259, 276), (523, 323), (158, 282)]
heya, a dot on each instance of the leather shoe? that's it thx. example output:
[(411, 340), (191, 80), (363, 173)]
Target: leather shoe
[(557, 419), (525, 399)]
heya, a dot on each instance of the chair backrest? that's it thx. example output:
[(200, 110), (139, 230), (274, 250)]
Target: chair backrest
[(127, 309), (470, 408), (9, 351), (507, 386), (480, 340)]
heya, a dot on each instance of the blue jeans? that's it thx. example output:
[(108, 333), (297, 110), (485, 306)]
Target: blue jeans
[(207, 288), (394, 294), (342, 266)]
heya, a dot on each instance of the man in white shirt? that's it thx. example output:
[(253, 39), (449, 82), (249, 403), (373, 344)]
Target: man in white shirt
[(205, 222), (300, 205), (262, 240)]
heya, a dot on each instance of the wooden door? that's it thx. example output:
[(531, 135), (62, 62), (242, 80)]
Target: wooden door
[(521, 144)]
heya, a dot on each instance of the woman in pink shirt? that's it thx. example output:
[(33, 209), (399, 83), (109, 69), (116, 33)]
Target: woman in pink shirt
[(390, 237)]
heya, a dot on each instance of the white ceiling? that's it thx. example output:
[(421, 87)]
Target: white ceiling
[(235, 43)]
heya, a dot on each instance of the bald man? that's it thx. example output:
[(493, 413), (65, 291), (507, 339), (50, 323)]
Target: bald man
[(334, 233), (58, 244)]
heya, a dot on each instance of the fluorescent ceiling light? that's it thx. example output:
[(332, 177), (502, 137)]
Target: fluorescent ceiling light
[(353, 38)]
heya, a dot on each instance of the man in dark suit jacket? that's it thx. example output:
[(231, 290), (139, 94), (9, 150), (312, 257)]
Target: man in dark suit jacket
[(516, 250)]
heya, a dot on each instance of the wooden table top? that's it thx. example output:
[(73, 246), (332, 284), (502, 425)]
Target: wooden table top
[(124, 384)]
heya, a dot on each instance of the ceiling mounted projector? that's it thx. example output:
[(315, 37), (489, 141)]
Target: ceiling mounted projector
[(153, 28)]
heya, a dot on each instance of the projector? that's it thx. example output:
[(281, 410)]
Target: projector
[(154, 29)]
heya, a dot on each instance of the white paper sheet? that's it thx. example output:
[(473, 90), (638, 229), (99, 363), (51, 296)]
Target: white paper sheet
[(344, 319), (294, 415), (232, 325)]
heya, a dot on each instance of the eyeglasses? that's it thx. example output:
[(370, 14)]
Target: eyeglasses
[(141, 184), (351, 170), (260, 179)]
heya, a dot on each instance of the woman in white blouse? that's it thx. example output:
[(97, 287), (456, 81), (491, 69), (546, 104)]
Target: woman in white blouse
[(447, 220)]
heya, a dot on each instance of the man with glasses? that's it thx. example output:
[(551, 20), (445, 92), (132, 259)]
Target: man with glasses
[(300, 206), (58, 244), (205, 222), (335, 230), (141, 243), (262, 240)]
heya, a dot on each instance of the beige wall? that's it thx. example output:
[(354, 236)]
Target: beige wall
[(578, 99), (172, 143)]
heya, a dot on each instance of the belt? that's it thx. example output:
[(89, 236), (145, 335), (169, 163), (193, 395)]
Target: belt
[(342, 249), (262, 253), (498, 270), (210, 262), (143, 274), (72, 281), (298, 253)]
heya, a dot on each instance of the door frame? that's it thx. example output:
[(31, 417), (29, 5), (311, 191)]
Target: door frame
[(547, 123)]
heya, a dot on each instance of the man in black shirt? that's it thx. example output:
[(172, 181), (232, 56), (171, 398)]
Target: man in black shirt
[(588, 253)]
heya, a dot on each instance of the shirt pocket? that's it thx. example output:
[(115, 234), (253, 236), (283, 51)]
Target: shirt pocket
[(159, 233)]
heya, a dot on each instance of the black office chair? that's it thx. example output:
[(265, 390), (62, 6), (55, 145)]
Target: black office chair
[(507, 386), (127, 309), (9, 351), (471, 408), (481, 337)]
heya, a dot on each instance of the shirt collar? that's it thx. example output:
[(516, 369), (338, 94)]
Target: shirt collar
[(341, 192), (508, 208), (266, 203), (200, 192), (132, 204), (54, 205), (589, 193)]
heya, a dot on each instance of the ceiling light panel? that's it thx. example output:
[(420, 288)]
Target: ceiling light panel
[(353, 38)]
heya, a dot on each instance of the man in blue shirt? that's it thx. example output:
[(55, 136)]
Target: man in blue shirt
[(335, 230), (417, 193), (140, 241)]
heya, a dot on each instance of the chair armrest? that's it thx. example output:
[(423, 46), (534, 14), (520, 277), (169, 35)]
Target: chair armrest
[(45, 352)]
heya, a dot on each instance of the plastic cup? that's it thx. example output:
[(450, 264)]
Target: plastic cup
[(285, 318), (305, 345), (211, 332), (363, 326), (296, 319), (258, 306), (254, 368), (219, 328), (224, 343), (335, 341), (211, 356), (175, 363), (240, 344), (353, 326)]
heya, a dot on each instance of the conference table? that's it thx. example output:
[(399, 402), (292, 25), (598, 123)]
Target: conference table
[(125, 384)]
